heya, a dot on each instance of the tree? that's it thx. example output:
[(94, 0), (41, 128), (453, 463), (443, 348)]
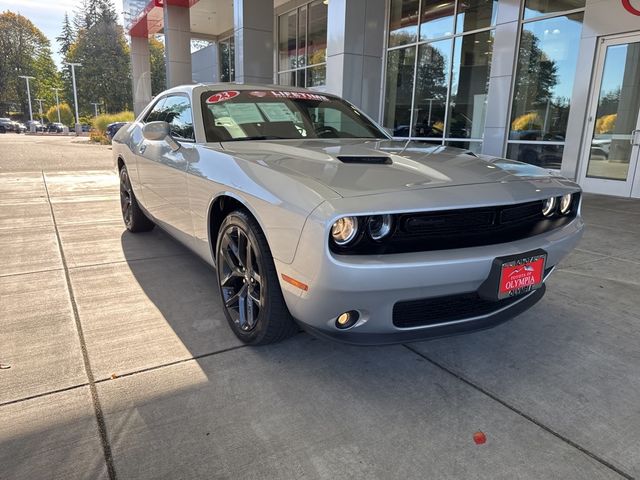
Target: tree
[(101, 48), (25, 51), (66, 115), (158, 70)]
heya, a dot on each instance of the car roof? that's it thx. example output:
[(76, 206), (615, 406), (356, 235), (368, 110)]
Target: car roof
[(203, 87)]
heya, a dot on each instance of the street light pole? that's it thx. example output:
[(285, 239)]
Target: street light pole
[(95, 107), (40, 100), (57, 103), (75, 94), (27, 78)]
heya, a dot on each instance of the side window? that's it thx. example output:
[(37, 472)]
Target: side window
[(157, 113), (177, 113)]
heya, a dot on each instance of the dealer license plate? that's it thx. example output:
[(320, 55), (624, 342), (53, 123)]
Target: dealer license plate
[(521, 275)]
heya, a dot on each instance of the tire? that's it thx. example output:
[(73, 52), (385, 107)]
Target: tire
[(242, 247), (134, 218)]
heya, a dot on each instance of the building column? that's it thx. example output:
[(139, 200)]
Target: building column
[(496, 128), (253, 36), (355, 49), (141, 73), (177, 44)]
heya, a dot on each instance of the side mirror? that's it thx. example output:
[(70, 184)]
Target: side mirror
[(160, 131)]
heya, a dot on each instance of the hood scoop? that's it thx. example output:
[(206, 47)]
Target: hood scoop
[(364, 160)]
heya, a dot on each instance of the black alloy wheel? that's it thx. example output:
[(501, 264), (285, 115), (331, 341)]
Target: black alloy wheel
[(134, 218), (251, 296)]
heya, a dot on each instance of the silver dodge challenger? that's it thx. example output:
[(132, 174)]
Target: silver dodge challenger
[(314, 217)]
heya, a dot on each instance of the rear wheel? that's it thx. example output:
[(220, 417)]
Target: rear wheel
[(248, 282), (134, 218)]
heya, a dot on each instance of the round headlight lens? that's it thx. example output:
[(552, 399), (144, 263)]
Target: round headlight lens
[(549, 207), (344, 230), (565, 203), (379, 226)]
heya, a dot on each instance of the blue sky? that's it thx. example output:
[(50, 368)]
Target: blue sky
[(47, 15)]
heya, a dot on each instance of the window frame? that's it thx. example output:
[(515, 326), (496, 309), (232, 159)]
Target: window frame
[(444, 139), (522, 22), (307, 66)]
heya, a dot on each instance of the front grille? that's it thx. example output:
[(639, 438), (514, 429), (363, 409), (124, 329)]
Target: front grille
[(449, 229), (432, 311)]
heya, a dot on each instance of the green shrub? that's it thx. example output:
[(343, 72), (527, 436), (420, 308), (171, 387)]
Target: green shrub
[(100, 122), (66, 115)]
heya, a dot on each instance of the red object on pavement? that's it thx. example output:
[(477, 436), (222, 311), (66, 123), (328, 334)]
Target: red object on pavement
[(480, 438)]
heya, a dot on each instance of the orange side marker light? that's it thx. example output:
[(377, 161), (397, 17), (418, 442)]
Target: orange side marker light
[(296, 283)]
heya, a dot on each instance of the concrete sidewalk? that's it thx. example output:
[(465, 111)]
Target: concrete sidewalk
[(122, 365)]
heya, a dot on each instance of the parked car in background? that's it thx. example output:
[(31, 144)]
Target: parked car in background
[(113, 128), (20, 127), (55, 127), (310, 212), (7, 125), (85, 127), (37, 125)]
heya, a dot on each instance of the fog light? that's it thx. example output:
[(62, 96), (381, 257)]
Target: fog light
[(565, 203), (549, 207), (347, 320)]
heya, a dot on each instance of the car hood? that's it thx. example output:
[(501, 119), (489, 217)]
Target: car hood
[(345, 166)]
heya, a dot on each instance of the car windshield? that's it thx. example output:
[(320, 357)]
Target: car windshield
[(234, 115)]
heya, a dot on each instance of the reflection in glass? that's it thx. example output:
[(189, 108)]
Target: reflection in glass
[(432, 80), (436, 19), (476, 14), (399, 89), (403, 22), (227, 58), (617, 113), (317, 40), (469, 85), (535, 8), (316, 76), (544, 79), (302, 37), (287, 78), (541, 154), (475, 147), (287, 41)]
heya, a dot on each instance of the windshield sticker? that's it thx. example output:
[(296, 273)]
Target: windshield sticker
[(222, 96), (300, 96), (277, 112), (244, 113), (259, 93)]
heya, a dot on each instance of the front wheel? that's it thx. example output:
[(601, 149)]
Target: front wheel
[(134, 218), (248, 282)]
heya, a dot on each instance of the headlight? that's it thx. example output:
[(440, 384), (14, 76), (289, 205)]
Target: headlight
[(549, 207), (379, 226), (565, 203), (344, 230)]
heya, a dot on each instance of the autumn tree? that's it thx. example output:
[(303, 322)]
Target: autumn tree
[(25, 51), (66, 114)]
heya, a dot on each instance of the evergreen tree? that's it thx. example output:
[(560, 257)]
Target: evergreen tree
[(157, 64), (101, 48)]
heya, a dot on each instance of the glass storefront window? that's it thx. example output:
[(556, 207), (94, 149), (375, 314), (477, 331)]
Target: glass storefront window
[(535, 8), (476, 14), (302, 45), (403, 22), (432, 83), (475, 147), (470, 85), (227, 58), (399, 90), (544, 80), (436, 19), (547, 155)]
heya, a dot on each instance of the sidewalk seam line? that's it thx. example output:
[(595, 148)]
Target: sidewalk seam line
[(43, 394), (102, 427), (522, 414)]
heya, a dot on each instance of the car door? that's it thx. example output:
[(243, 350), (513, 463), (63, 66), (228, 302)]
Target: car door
[(162, 168)]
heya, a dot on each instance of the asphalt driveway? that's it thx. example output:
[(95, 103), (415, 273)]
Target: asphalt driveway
[(122, 366)]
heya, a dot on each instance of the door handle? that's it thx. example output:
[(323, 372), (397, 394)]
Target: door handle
[(634, 134), (143, 147)]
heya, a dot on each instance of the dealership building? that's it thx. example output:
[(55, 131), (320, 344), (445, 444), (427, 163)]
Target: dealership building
[(554, 83)]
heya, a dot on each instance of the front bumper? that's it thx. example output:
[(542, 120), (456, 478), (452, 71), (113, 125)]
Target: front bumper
[(373, 284)]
